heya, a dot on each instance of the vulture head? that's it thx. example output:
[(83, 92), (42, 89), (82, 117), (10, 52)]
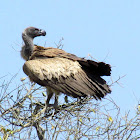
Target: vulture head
[(33, 32), (28, 35)]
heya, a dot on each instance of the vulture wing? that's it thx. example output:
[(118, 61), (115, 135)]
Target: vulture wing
[(67, 73), (96, 68)]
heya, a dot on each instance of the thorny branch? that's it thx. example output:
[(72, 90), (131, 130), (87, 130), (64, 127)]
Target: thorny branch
[(79, 118)]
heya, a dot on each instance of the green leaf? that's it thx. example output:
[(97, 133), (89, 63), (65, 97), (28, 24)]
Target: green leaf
[(22, 79), (93, 110), (110, 119), (139, 107), (80, 119), (11, 132), (97, 128), (8, 130), (43, 94)]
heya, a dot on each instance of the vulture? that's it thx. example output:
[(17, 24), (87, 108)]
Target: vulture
[(62, 72)]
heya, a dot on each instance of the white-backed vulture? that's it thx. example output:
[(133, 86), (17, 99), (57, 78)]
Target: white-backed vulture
[(62, 72)]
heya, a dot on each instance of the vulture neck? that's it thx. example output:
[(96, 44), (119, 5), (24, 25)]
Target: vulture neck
[(27, 49)]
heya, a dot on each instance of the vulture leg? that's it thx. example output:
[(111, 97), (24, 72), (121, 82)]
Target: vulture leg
[(50, 94), (56, 99)]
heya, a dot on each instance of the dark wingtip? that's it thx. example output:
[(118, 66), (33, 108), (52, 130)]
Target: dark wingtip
[(104, 69)]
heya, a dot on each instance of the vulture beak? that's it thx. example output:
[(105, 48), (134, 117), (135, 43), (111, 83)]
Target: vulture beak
[(42, 32)]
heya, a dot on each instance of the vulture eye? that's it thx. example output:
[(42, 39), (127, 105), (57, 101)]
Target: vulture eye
[(35, 29)]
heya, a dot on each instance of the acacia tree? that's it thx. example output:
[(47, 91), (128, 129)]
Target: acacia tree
[(24, 115)]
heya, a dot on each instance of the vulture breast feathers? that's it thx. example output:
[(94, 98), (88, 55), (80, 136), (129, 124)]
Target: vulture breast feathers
[(67, 73)]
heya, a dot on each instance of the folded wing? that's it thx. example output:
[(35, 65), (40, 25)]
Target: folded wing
[(65, 74)]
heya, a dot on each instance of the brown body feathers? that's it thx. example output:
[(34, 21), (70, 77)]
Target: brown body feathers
[(62, 72)]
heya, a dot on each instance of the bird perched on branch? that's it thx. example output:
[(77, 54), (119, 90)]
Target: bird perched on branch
[(62, 72)]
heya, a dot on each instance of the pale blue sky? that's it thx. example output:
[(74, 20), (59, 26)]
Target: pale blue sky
[(108, 30)]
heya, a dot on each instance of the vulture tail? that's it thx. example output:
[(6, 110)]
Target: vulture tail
[(97, 68)]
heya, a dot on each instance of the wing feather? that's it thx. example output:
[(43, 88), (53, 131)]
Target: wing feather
[(66, 76), (98, 68)]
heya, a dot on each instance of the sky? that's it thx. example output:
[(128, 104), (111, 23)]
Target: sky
[(107, 30)]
